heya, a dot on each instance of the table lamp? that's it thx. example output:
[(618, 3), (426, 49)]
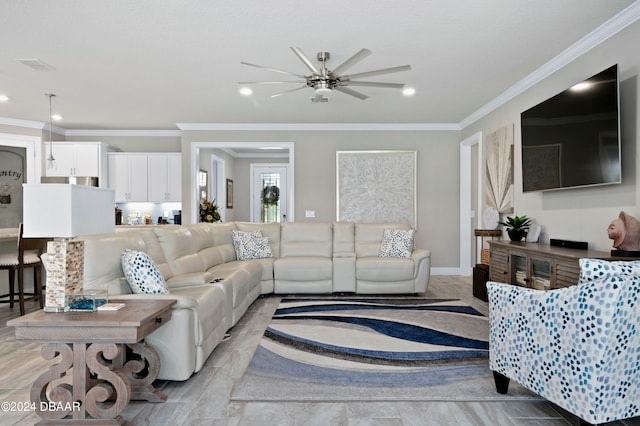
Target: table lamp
[(64, 212)]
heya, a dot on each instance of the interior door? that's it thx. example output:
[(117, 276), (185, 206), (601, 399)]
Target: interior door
[(269, 196)]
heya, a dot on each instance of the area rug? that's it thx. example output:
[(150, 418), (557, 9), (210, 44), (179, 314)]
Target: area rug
[(373, 350)]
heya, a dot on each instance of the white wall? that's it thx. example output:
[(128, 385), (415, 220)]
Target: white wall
[(585, 213)]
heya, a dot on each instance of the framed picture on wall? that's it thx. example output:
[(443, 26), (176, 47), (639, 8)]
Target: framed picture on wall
[(229, 194), (376, 186)]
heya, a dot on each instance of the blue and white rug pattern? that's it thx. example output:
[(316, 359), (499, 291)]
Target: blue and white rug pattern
[(371, 349), (379, 333)]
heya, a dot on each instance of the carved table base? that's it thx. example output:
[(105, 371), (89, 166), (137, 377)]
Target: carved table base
[(104, 381)]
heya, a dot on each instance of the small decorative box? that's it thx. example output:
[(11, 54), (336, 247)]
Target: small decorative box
[(87, 300)]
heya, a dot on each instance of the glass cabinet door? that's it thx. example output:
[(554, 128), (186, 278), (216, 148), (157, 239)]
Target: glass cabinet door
[(540, 274), (519, 270)]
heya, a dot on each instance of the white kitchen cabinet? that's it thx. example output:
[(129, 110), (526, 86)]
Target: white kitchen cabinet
[(164, 177), (77, 159), (64, 155), (128, 177)]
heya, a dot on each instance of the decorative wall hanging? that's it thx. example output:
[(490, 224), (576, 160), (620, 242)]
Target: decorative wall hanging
[(203, 185), (229, 194), (376, 186), (499, 181)]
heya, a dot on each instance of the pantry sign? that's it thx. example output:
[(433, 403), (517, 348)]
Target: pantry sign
[(12, 167)]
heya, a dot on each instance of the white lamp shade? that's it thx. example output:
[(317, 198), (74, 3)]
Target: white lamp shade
[(54, 210)]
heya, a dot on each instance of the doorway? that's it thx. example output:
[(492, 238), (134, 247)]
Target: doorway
[(217, 184), (269, 197), (242, 179), (19, 163), (470, 199)]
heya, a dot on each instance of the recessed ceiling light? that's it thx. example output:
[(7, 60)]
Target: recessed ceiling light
[(409, 91), (246, 91), (4, 98), (56, 117)]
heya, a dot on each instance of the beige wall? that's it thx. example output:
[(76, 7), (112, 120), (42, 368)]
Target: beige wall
[(580, 214), (242, 185), (204, 159), (315, 176)]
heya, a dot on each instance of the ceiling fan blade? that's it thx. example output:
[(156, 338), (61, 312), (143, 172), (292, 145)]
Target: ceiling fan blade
[(351, 92), (380, 72), (270, 82), (300, 54), (363, 53), (288, 91), (273, 69), (375, 84)]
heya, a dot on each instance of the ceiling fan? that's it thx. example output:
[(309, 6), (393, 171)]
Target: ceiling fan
[(325, 81)]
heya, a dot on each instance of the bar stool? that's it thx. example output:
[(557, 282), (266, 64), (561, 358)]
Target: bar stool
[(27, 256)]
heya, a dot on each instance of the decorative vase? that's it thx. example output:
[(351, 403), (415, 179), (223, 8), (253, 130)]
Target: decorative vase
[(516, 234)]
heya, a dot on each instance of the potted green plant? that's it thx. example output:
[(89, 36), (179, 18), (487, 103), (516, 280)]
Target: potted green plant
[(517, 226)]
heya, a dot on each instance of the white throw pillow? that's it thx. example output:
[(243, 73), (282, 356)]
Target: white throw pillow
[(250, 245), (142, 274), (397, 243)]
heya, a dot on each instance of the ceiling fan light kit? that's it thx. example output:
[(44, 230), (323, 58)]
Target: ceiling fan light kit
[(325, 81)]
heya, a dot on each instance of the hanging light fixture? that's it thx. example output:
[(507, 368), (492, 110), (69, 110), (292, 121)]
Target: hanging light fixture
[(51, 161)]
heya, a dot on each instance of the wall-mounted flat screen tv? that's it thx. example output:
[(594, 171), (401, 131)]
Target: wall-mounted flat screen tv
[(573, 139)]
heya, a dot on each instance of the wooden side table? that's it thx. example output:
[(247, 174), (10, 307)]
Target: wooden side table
[(483, 233), (481, 270), (104, 379)]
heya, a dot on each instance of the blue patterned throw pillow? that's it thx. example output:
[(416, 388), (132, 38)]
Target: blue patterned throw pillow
[(592, 270), (397, 243), (142, 274), (250, 245)]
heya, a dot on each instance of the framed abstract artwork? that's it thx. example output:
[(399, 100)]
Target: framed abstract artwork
[(376, 186)]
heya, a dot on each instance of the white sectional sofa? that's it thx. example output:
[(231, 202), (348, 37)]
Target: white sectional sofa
[(213, 289)]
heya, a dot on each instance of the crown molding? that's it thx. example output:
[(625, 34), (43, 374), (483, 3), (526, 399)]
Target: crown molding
[(39, 125), (22, 123), (135, 133), (300, 127), (321, 127), (235, 154), (613, 26)]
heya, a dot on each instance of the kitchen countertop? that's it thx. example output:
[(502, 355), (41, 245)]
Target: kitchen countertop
[(130, 227), (11, 234)]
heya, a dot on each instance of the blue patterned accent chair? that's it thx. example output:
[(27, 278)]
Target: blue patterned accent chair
[(578, 347)]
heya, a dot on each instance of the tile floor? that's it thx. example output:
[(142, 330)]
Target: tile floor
[(204, 399)]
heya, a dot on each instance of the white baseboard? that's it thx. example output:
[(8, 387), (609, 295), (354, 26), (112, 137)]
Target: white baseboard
[(445, 271)]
